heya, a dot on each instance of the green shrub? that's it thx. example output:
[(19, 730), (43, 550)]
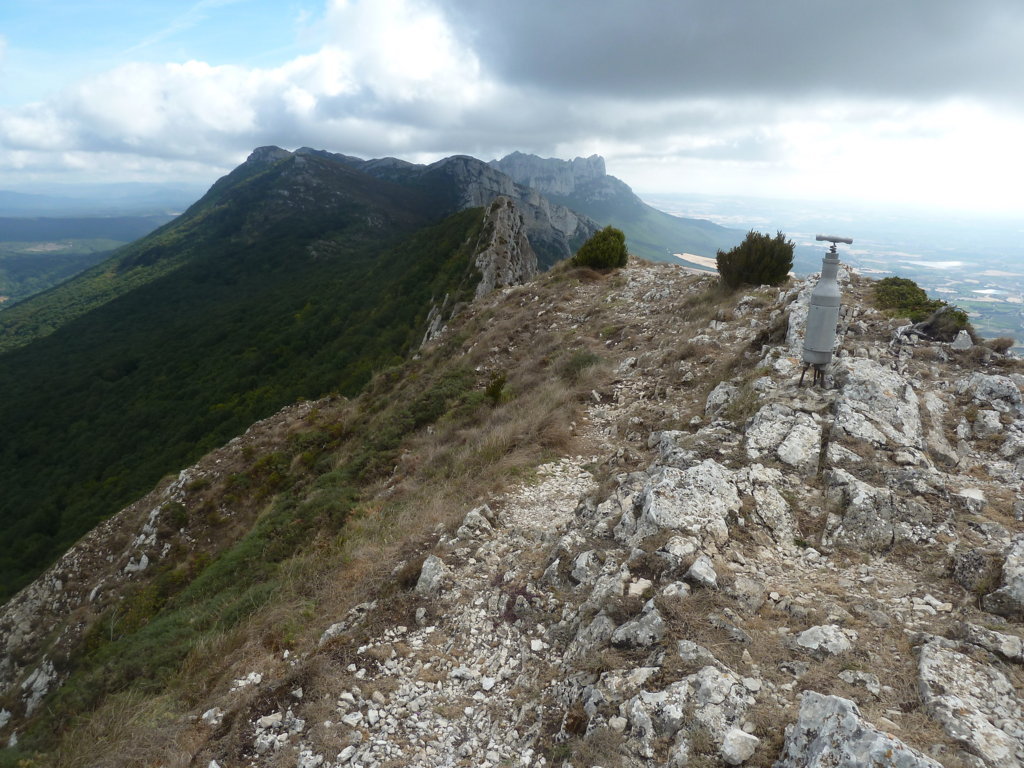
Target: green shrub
[(758, 260), (944, 323), (905, 298), (899, 293), (572, 369), (604, 250)]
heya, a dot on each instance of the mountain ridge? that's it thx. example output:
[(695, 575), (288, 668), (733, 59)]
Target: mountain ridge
[(583, 185), (295, 276), (667, 551)]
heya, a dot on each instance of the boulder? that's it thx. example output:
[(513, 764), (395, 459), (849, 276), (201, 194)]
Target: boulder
[(432, 576), (477, 523), (874, 400), (962, 341), (867, 518), (1008, 600), (975, 703), (976, 570), (645, 630), (830, 733), (1000, 392), (778, 431), (771, 510), (1010, 647), (719, 398), (713, 697), (738, 746), (987, 423), (702, 573), (825, 640), (590, 638), (695, 501)]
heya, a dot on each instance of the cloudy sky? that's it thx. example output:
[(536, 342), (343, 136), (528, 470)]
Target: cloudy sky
[(916, 101)]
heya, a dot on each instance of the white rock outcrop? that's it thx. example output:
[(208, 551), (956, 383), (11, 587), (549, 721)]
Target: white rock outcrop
[(830, 733)]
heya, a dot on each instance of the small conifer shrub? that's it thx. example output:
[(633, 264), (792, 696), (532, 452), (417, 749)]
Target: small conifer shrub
[(605, 249), (758, 260)]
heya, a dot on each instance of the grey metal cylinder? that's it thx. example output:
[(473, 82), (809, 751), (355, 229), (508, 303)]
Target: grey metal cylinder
[(823, 315)]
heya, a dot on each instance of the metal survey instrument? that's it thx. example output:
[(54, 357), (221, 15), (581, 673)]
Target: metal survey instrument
[(823, 314)]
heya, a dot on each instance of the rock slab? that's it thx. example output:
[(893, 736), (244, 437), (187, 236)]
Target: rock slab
[(829, 731)]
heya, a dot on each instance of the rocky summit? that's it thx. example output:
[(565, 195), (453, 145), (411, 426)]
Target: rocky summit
[(715, 566)]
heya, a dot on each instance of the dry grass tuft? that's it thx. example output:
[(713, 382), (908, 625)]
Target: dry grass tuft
[(130, 730)]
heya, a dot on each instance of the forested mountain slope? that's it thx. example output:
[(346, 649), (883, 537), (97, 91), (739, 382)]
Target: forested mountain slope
[(295, 276)]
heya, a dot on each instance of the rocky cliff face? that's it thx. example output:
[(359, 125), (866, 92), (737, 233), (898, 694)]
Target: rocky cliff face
[(505, 257), (551, 176), (722, 567), (555, 230)]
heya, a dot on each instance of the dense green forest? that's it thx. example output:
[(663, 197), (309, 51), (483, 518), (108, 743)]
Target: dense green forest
[(41, 252), (23, 274), (97, 411)]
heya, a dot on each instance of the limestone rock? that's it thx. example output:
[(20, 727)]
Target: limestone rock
[(749, 593), (507, 258), (794, 437), (641, 632), (702, 572), (971, 701), (975, 569), (866, 679), (37, 685), (962, 341), (825, 640), (432, 576), (550, 226), (830, 733), (552, 176), (352, 619), (1008, 600), (719, 398), (478, 522), (1010, 647), (591, 638), (771, 510), (870, 518), (716, 698), (1001, 392), (738, 746), (874, 401), (694, 501), (987, 423), (671, 453)]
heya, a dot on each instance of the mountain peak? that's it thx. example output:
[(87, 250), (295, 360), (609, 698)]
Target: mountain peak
[(267, 155), (551, 176)]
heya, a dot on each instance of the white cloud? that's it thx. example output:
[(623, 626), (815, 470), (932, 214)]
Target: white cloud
[(387, 72), (405, 77)]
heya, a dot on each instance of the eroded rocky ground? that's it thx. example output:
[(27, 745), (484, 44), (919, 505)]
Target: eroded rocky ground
[(728, 569)]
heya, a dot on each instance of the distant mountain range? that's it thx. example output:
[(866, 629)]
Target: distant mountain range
[(124, 199)]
